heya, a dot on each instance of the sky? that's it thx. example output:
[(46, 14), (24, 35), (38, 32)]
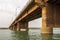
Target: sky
[(9, 10), (37, 23)]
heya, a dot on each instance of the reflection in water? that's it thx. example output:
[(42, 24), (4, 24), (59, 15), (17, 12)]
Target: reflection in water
[(47, 37), (56, 36), (20, 35), (32, 34)]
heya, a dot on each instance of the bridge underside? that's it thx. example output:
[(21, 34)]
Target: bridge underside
[(34, 15), (49, 11)]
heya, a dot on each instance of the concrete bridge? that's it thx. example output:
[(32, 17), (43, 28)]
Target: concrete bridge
[(49, 10)]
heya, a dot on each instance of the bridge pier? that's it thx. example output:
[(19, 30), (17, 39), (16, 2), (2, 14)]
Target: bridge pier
[(14, 27), (47, 19), (18, 26), (11, 27), (24, 25), (21, 25), (57, 15)]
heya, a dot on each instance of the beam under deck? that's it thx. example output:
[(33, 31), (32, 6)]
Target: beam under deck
[(28, 13)]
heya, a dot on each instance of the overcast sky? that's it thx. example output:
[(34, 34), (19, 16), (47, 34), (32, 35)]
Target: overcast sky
[(9, 10)]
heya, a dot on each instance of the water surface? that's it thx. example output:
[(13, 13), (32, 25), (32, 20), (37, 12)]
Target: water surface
[(32, 34)]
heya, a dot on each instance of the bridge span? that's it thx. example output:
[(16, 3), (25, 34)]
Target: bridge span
[(49, 10)]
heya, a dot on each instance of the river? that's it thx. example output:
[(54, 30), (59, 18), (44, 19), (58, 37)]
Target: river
[(32, 34)]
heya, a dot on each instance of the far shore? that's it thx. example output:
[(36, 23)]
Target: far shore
[(3, 28)]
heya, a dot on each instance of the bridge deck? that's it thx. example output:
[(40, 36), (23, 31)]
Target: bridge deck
[(33, 11)]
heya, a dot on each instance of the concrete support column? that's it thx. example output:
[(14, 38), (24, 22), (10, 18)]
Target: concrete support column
[(11, 27), (18, 26), (14, 27), (57, 15), (47, 19), (24, 25)]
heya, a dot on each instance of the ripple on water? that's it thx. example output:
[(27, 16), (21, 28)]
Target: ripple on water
[(32, 34)]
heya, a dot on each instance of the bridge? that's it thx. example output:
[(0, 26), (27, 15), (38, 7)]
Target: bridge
[(49, 10)]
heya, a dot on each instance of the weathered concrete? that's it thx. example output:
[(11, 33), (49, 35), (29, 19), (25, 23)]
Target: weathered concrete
[(14, 27), (24, 25), (47, 19), (18, 26), (11, 28), (57, 15)]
